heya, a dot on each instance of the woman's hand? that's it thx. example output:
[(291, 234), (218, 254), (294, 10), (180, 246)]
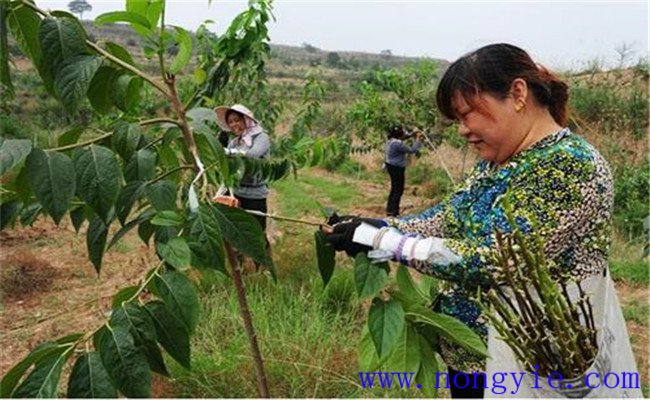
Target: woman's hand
[(342, 232)]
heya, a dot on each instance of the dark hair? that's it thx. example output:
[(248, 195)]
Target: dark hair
[(231, 111), (492, 69), (395, 132)]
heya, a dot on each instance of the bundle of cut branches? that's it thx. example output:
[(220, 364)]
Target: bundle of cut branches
[(531, 305)]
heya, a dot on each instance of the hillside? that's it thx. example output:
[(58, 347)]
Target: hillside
[(306, 55)]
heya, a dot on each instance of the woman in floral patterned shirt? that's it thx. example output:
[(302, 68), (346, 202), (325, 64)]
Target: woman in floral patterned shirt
[(513, 112)]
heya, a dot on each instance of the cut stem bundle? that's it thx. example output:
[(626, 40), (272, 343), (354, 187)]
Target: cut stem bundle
[(529, 304)]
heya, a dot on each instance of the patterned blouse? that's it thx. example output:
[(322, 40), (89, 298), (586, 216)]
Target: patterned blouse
[(562, 182)]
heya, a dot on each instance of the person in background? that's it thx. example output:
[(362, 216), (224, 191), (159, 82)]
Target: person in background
[(250, 141), (514, 113), (396, 151)]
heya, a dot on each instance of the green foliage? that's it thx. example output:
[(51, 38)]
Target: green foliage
[(307, 338), (12, 153), (130, 169), (385, 324), (613, 108), (324, 257), (636, 272), (369, 278), (631, 199), (433, 182), (395, 96)]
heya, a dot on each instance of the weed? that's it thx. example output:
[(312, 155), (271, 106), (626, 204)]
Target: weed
[(23, 274)]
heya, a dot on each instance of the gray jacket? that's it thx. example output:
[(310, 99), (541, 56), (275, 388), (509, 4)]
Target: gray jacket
[(396, 152), (252, 186)]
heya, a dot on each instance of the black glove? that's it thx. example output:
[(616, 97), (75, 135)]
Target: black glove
[(343, 232), (336, 219), (341, 238)]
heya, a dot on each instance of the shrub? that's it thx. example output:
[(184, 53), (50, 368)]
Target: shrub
[(631, 198), (10, 127)]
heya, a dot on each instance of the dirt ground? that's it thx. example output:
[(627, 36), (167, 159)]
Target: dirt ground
[(76, 299)]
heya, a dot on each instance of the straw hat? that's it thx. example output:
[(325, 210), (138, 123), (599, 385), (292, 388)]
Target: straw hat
[(221, 112)]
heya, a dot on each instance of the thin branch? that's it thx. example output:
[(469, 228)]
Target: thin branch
[(262, 384), (161, 45), (81, 144), (166, 174), (159, 121), (128, 67), (442, 161), (281, 218)]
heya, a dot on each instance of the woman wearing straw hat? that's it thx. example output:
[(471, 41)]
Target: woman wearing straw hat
[(250, 141)]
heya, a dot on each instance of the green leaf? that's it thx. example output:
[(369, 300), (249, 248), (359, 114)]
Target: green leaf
[(162, 234), (69, 137), (141, 166), (168, 157), (150, 9), (61, 39), (96, 241), (125, 294), (244, 232), (168, 218), (451, 328), (9, 211), (22, 188), (30, 213), (369, 278), (13, 152), (139, 323), (43, 381), (175, 252), (120, 52), (407, 287), (184, 41), (101, 89), (385, 322), (143, 218), (145, 231), (5, 75), (73, 79), (77, 218), (52, 179), (162, 195), (367, 353), (89, 379), (200, 76), (126, 92), (126, 138), (122, 16), (429, 367), (11, 378), (406, 353), (171, 332), (98, 178), (325, 257), (179, 295), (24, 25), (126, 365), (129, 194), (205, 239)]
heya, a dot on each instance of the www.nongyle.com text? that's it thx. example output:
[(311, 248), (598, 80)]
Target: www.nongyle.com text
[(497, 383)]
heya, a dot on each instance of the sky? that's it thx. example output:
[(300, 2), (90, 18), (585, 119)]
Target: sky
[(559, 34)]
